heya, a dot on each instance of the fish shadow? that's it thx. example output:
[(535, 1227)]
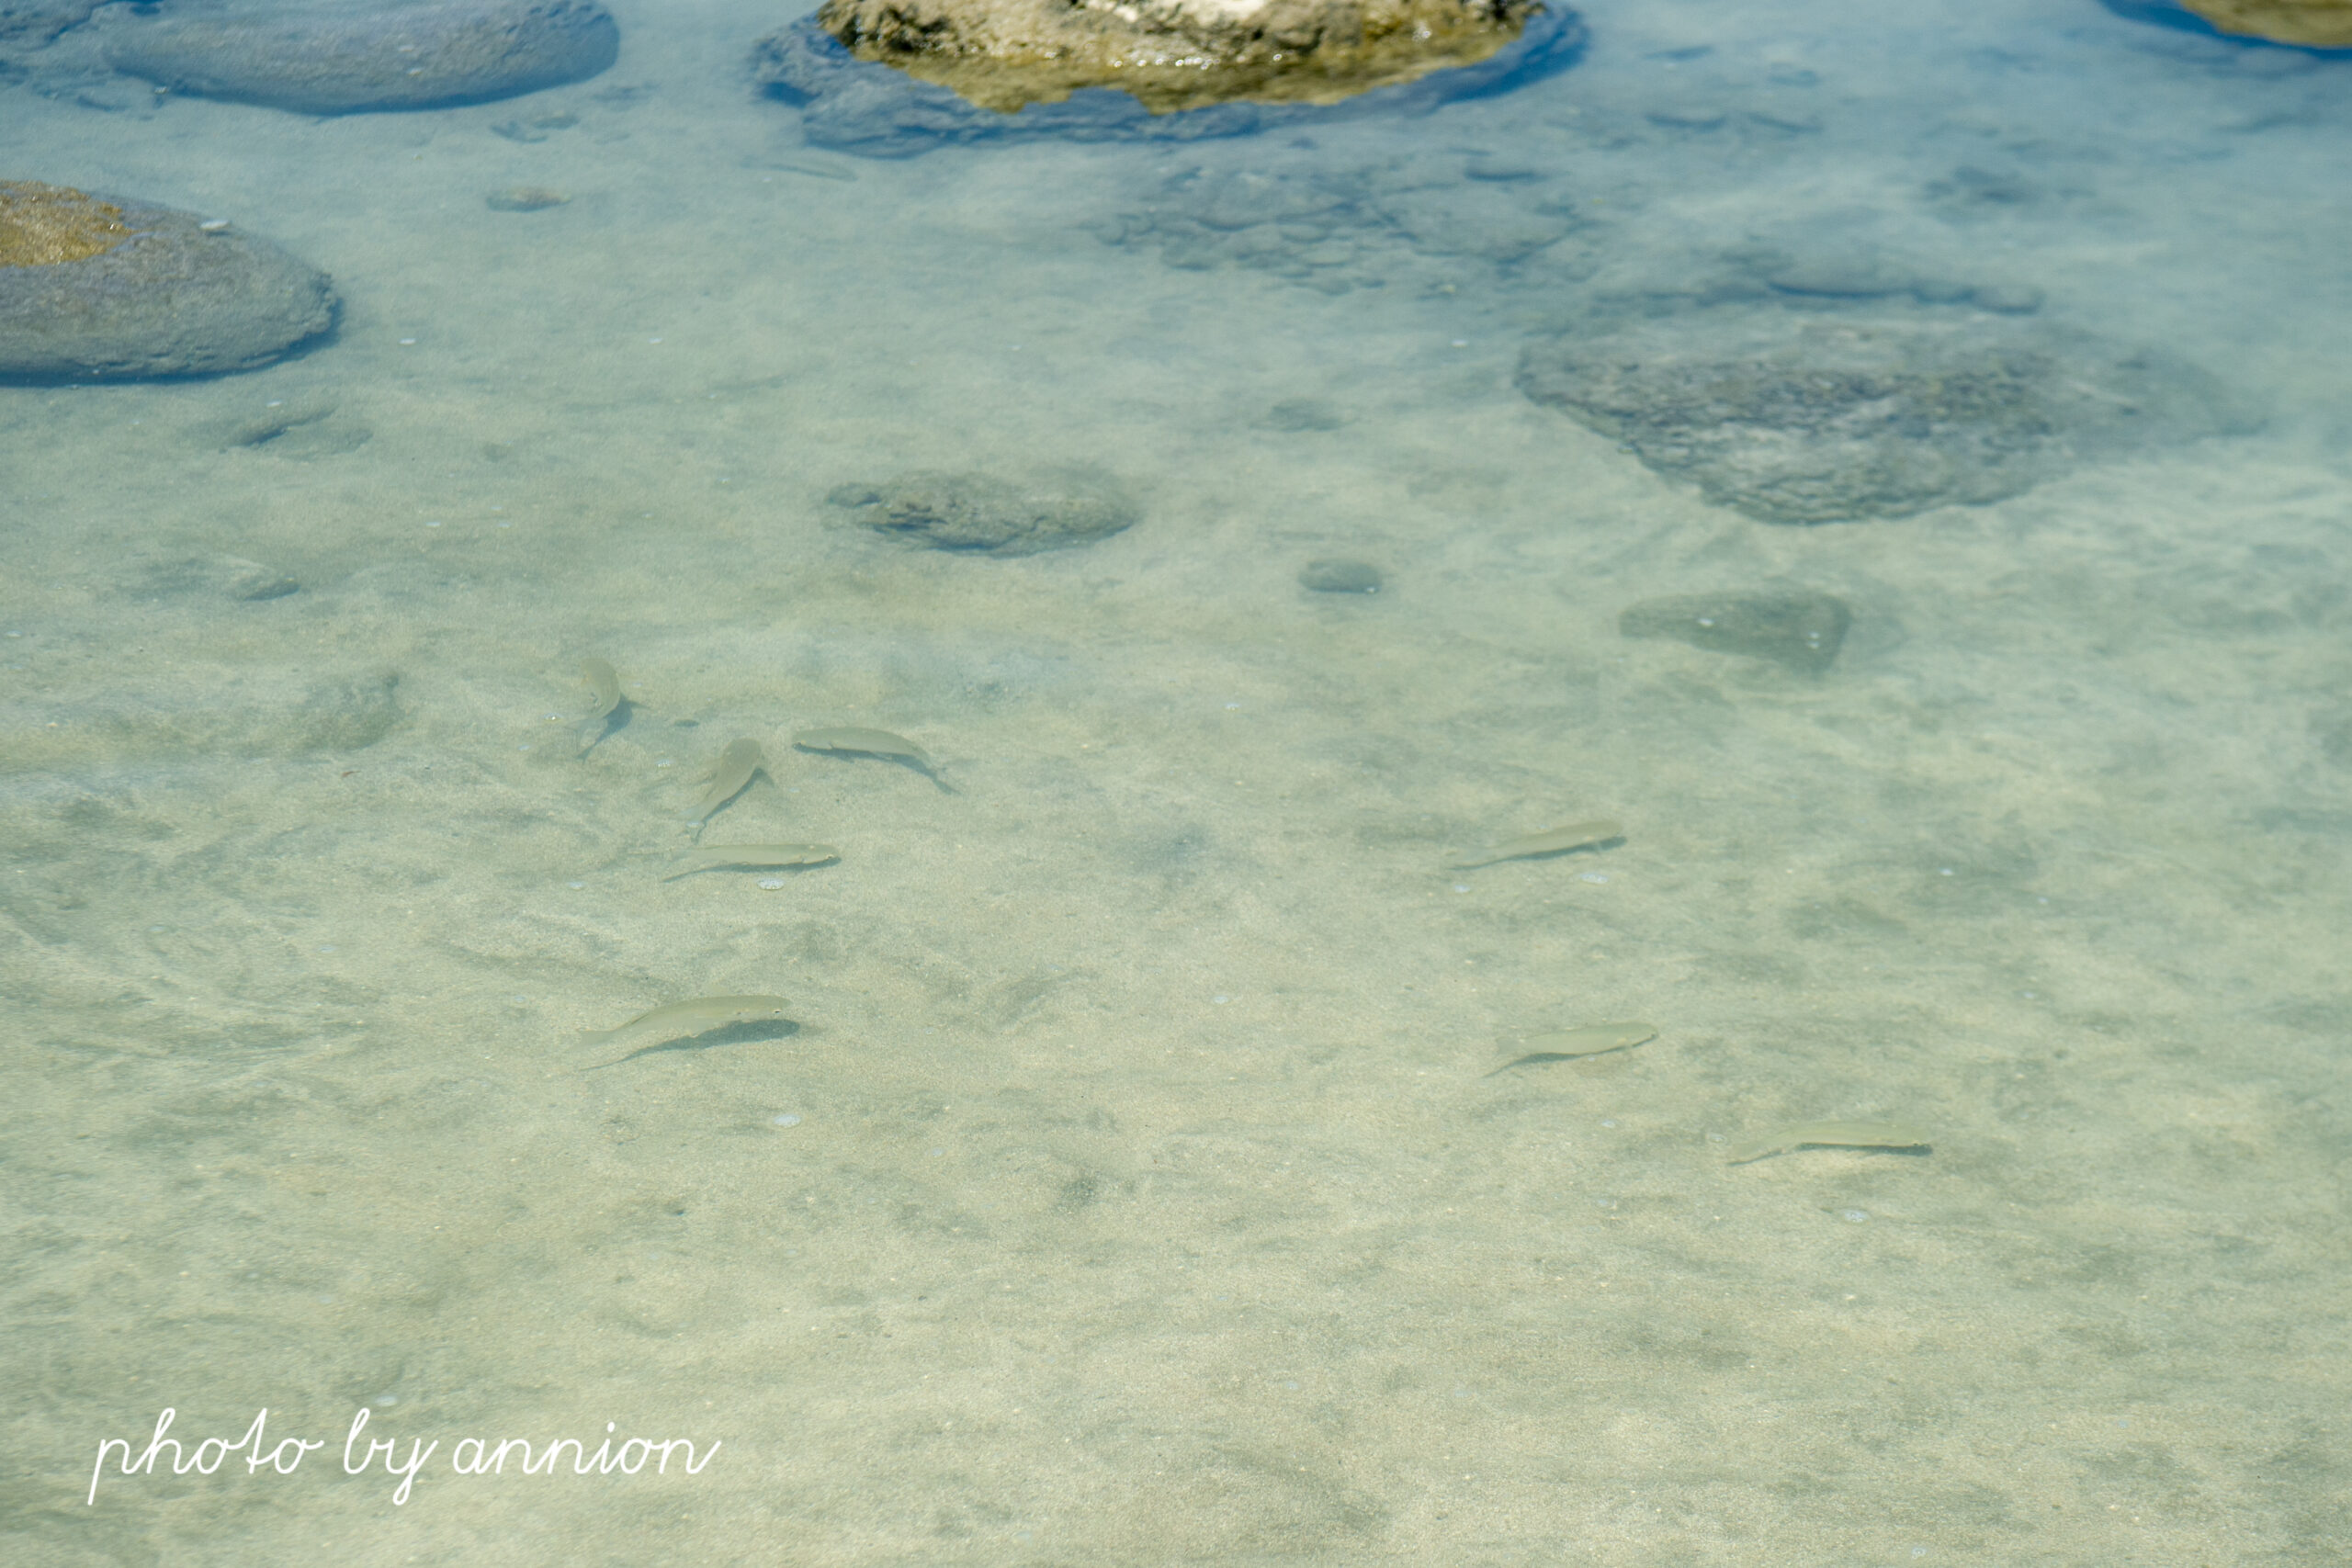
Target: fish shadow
[(750, 1032), (593, 733), (1599, 846), (925, 769)]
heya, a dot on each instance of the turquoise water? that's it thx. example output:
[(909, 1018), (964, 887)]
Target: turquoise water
[(1131, 1189)]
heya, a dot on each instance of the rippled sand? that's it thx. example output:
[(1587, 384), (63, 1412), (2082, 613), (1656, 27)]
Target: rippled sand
[(1130, 1191)]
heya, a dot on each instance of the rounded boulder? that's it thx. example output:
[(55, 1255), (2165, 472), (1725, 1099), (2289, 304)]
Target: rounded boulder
[(94, 288), (1172, 54), (2317, 24), (352, 56)]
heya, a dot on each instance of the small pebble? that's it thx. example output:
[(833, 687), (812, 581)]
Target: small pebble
[(525, 198), (1340, 576)]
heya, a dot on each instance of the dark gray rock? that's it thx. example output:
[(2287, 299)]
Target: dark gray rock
[(979, 513), (1300, 416), (1335, 575), (348, 56), (169, 297), (1799, 631), (342, 716), (869, 108), (1794, 416), (31, 23)]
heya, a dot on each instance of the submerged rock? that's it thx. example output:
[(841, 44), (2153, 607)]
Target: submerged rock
[(347, 56), (217, 576), (1797, 630), (248, 711), (93, 288), (1798, 417), (1338, 575), (868, 107), (525, 198), (981, 513), (1416, 221), (31, 23)]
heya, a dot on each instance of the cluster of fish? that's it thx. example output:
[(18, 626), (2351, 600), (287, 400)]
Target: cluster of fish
[(665, 1027), (1601, 1039), (703, 1020)]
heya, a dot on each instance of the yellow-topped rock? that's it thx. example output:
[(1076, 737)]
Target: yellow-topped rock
[(2317, 24), (1172, 54), (43, 225)]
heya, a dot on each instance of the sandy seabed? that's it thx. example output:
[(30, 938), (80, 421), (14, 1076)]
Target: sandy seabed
[(1131, 1192)]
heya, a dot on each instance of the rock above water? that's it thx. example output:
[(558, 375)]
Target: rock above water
[(1798, 630), (1172, 54), (93, 288), (981, 513), (2323, 24), (347, 56), (867, 107), (2314, 24), (1797, 416)]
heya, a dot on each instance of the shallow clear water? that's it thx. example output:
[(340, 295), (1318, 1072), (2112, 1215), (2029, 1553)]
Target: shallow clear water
[(1132, 1190)]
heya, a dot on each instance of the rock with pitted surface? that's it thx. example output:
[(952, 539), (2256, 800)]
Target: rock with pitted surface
[(1172, 54), (1800, 416), (98, 289), (1415, 222), (349, 56), (852, 101), (984, 514)]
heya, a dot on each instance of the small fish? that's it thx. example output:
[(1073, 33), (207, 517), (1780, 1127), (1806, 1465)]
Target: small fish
[(689, 1020), (1553, 841), (1586, 1039), (854, 742), (1832, 1135), (864, 743), (714, 857), (736, 765), (605, 682), (809, 167)]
